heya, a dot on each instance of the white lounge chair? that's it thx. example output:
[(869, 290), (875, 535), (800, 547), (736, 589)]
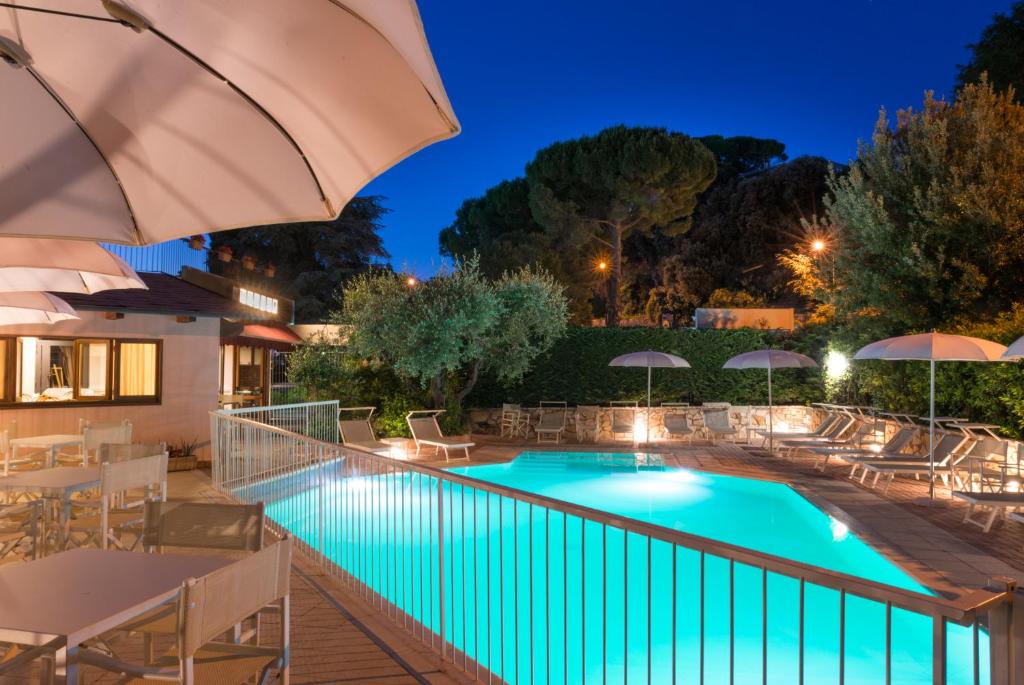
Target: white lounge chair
[(425, 431), (676, 425), (996, 502), (716, 423), (358, 433), (623, 418), (893, 448), (855, 439), (948, 452), (553, 417)]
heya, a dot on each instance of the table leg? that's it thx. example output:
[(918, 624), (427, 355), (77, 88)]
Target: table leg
[(8, 456), (65, 522), (66, 664)]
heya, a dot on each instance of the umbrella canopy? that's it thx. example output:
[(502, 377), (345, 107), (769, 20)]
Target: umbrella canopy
[(66, 266), (940, 347), (651, 360), (770, 359), (29, 308), (1015, 351), (139, 126), (932, 347)]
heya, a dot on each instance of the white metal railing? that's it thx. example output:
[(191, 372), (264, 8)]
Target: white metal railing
[(512, 586), (318, 420)]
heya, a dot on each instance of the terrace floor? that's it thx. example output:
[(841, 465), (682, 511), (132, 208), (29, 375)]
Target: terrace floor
[(338, 638)]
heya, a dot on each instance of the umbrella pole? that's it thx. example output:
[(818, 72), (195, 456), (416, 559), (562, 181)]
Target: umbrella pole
[(931, 430), (647, 421), (771, 426)]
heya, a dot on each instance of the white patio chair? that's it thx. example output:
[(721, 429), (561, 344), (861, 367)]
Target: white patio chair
[(623, 418), (426, 431), (96, 433), (514, 421), (15, 659), (119, 480), (21, 530), (587, 424), (209, 607)]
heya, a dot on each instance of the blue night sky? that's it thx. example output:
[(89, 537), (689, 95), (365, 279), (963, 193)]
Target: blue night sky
[(524, 74)]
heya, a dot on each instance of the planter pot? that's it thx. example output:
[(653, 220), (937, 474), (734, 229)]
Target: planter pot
[(197, 242), (248, 262), (269, 270), (224, 254), (180, 463)]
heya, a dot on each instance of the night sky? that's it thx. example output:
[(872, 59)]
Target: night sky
[(524, 74)]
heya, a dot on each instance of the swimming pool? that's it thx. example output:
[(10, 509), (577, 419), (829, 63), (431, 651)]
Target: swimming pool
[(535, 595)]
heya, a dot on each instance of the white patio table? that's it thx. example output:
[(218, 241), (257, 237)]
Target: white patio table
[(79, 594), (58, 484), (53, 443)]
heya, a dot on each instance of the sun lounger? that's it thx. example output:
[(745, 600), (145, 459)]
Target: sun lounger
[(995, 502), (826, 423), (676, 425), (623, 418), (358, 433), (949, 451), (834, 432), (425, 431), (716, 423), (891, 449), (862, 431), (552, 421)]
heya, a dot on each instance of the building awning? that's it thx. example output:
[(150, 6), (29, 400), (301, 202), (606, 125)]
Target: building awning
[(276, 337)]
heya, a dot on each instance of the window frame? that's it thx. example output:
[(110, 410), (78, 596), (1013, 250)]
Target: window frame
[(9, 393), (76, 385)]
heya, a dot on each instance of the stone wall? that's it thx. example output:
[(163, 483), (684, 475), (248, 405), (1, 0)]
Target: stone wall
[(594, 424)]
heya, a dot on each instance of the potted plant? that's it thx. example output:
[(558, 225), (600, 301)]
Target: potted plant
[(269, 270), (197, 242), (224, 253), (181, 456), (248, 262)]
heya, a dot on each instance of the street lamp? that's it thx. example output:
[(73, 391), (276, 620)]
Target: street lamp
[(818, 245), (411, 281), (602, 265)]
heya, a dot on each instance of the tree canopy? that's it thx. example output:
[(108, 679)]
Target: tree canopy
[(444, 331), (313, 260), (738, 155), (927, 228), (623, 180), (999, 53), (499, 229)]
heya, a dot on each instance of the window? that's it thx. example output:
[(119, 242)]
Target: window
[(58, 370), (138, 364)]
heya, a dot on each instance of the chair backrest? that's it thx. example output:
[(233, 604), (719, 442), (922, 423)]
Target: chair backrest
[(863, 431), (113, 453), (507, 408), (136, 473), (204, 525), (989, 448), (552, 418), (424, 427), (356, 430), (675, 422), (949, 446), (717, 419), (213, 604), (98, 433), (900, 439), (623, 419)]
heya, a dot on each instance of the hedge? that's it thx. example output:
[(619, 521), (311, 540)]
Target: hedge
[(576, 370)]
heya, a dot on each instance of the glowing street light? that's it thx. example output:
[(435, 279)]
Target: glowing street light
[(602, 265), (818, 245), (411, 281)]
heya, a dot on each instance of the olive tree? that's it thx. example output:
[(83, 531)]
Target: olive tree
[(444, 331)]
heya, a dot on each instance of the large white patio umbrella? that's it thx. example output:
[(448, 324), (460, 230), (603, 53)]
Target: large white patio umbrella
[(770, 359), (932, 347), (65, 266), (1015, 351), (651, 360), (33, 308), (136, 121)]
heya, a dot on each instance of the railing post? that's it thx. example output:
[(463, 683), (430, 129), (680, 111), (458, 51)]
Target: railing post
[(440, 564), (1006, 633)]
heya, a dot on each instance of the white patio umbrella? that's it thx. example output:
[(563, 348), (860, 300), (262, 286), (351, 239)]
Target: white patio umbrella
[(651, 360), (65, 266), (1015, 351), (132, 121), (770, 359), (29, 308), (932, 347)]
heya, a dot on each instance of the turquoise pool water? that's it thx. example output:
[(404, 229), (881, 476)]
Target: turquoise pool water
[(534, 596)]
